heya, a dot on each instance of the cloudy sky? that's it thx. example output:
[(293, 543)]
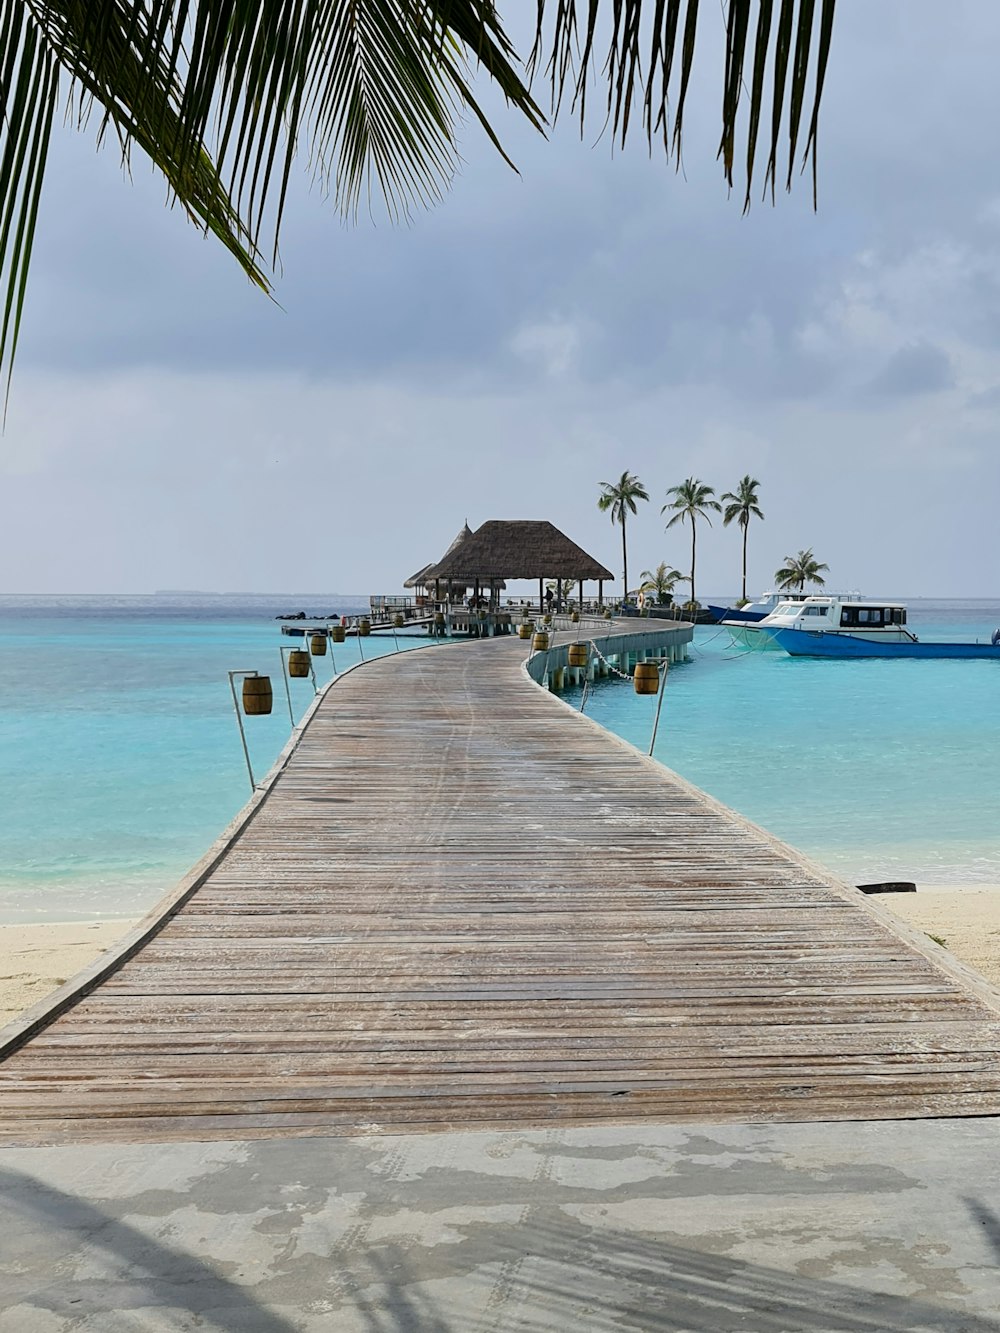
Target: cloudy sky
[(530, 338)]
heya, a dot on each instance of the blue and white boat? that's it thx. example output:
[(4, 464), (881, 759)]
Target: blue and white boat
[(836, 627), (751, 612), (820, 643)]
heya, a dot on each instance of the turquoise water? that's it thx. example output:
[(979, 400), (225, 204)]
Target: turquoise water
[(120, 759), (878, 769)]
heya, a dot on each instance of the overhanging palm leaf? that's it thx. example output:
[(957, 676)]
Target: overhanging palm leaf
[(221, 94)]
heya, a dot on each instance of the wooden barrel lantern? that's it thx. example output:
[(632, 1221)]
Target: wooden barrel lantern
[(317, 645), (398, 620), (364, 627), (575, 617), (257, 697), (647, 678), (540, 642), (578, 655), (607, 615), (546, 619), (338, 633), (298, 663), (525, 630), (439, 618)]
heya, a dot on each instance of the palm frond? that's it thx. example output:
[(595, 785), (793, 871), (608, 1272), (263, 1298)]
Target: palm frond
[(646, 60), (222, 94)]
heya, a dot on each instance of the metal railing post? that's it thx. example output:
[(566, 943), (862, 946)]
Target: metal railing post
[(239, 720), (659, 704), (284, 673)]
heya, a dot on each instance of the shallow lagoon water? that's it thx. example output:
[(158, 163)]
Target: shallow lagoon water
[(120, 760), (120, 757), (880, 770)]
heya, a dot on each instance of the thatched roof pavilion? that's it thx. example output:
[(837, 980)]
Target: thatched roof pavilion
[(428, 576), (515, 549)]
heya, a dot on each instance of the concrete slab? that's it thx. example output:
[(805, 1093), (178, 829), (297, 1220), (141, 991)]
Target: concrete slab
[(886, 1228)]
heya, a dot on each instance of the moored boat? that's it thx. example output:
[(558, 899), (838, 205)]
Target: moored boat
[(823, 643), (751, 612)]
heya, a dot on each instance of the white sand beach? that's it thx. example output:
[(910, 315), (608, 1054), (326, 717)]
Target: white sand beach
[(965, 918), (36, 959)]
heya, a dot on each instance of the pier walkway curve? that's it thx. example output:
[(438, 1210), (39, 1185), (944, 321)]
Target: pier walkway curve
[(459, 905)]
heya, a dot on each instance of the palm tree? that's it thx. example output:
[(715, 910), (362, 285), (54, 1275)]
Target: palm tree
[(620, 497), (221, 97), (798, 570), (741, 506), (662, 581), (692, 500)]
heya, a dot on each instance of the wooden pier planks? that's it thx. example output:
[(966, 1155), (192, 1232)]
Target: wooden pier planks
[(462, 906)]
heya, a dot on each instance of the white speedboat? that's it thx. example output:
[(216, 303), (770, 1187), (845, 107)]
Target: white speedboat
[(817, 612), (878, 621)]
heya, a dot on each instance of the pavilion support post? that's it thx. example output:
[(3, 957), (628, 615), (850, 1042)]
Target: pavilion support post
[(541, 597), (600, 593), (580, 593)]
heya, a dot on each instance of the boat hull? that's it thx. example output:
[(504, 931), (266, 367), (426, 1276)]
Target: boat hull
[(810, 643), (750, 636), (731, 614)]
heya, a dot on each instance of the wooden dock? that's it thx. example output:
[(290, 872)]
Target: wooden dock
[(462, 905)]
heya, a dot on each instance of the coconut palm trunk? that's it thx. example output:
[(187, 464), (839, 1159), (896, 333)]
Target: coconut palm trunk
[(694, 533), (624, 562), (746, 529)]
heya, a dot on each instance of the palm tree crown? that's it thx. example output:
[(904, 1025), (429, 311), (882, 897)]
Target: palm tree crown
[(800, 569), (742, 505), (692, 500), (619, 497), (662, 580), (221, 96)]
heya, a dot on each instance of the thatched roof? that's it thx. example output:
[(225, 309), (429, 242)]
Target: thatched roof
[(516, 549), (419, 579), (423, 578)]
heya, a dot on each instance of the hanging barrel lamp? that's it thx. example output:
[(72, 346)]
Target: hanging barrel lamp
[(364, 627), (578, 655), (317, 645), (338, 633), (540, 642), (298, 663), (647, 678), (525, 629), (575, 617), (257, 697), (398, 620)]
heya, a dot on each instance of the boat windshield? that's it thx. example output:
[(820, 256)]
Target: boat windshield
[(854, 616)]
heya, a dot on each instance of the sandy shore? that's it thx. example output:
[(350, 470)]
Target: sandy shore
[(36, 959), (964, 918)]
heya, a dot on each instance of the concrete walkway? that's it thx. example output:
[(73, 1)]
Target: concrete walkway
[(805, 1228)]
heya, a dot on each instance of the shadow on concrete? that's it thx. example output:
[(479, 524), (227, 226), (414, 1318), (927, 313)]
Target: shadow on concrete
[(566, 1277), (989, 1222), (43, 1226), (549, 1272)]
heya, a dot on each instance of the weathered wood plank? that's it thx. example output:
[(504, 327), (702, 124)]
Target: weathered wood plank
[(462, 905)]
